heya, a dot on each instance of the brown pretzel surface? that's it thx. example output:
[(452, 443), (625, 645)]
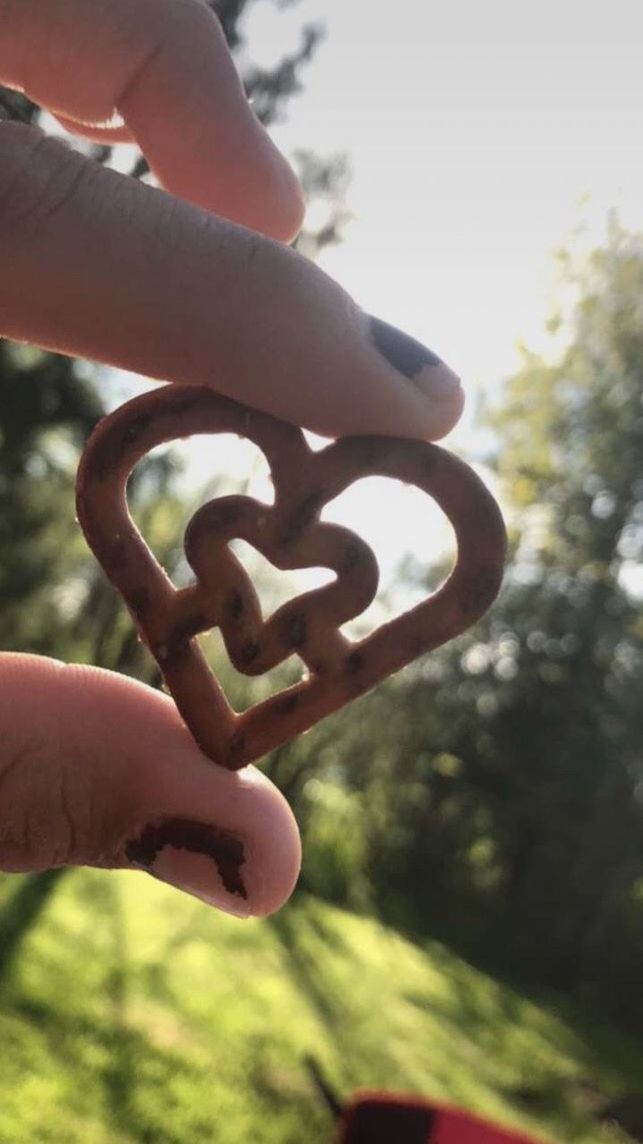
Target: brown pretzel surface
[(291, 535)]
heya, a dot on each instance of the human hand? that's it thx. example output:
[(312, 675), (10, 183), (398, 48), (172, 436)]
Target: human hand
[(96, 769)]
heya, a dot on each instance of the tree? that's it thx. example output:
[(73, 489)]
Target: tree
[(499, 782), (576, 462)]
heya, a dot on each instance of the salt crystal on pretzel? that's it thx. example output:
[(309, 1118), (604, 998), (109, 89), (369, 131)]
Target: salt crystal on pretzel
[(291, 535)]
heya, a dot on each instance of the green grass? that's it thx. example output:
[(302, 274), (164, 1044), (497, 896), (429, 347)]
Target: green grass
[(135, 1015)]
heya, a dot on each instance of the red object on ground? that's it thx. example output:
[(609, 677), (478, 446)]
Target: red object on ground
[(382, 1118)]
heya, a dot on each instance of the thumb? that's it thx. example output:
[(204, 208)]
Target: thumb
[(98, 770)]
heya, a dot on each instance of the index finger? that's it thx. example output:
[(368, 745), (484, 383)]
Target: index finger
[(99, 265), (165, 68)]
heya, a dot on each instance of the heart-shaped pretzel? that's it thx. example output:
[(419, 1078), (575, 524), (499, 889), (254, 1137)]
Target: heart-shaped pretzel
[(291, 535)]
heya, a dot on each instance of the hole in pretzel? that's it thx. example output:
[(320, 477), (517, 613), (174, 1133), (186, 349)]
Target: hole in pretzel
[(240, 468), (230, 463), (214, 464), (202, 468), (242, 691), (273, 586), (412, 539)]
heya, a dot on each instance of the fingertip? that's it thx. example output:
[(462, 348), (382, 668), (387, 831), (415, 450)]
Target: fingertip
[(428, 388), (100, 770), (260, 190), (275, 851), (293, 207), (446, 399), (107, 134), (226, 837), (239, 851)]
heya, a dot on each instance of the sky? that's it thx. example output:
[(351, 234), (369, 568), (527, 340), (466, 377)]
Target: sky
[(480, 136)]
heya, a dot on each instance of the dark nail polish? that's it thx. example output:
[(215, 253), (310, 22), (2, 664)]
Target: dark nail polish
[(158, 847), (404, 353)]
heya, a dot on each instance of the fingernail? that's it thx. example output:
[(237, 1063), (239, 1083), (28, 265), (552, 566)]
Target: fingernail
[(198, 858), (414, 360)]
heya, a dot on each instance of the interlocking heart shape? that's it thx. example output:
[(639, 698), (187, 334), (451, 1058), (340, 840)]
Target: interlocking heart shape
[(291, 535)]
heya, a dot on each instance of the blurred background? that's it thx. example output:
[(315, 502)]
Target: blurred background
[(469, 921)]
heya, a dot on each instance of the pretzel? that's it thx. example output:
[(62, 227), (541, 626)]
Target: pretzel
[(288, 533)]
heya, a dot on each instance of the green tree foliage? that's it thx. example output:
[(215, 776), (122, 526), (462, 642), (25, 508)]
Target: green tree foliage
[(46, 413), (572, 453), (499, 785)]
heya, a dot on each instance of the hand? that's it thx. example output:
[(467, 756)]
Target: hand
[(97, 769)]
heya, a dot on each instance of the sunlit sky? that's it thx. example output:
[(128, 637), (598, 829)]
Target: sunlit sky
[(474, 131), (479, 136)]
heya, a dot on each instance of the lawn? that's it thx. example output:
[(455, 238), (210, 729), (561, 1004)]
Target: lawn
[(136, 1015)]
